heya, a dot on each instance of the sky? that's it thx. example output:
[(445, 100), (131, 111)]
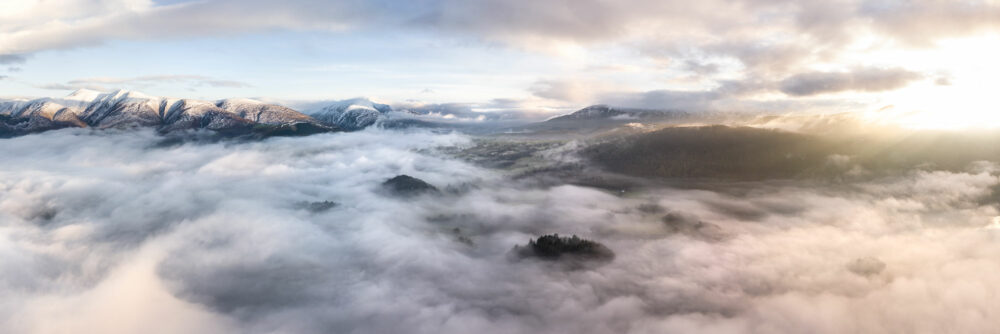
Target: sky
[(845, 55)]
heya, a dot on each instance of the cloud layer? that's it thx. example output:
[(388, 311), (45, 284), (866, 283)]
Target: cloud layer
[(804, 45), (109, 232), (145, 82)]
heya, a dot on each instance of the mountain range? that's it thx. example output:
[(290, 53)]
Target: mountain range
[(126, 109), (238, 117)]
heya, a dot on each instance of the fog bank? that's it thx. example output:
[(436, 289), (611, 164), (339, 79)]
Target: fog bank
[(120, 232)]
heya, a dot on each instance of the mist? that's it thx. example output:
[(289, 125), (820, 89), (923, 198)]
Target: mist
[(125, 232)]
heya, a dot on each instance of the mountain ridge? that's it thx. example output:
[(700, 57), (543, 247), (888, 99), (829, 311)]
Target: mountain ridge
[(126, 109), (606, 112)]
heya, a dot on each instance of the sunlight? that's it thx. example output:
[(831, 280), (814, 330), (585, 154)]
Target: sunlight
[(962, 95)]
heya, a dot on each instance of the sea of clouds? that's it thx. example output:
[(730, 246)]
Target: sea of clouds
[(124, 232)]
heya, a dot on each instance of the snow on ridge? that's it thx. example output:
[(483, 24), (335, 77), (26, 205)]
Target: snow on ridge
[(83, 94), (238, 101)]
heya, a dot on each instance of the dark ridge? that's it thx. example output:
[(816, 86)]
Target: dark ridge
[(750, 154), (290, 130), (317, 207), (712, 151), (13, 127), (405, 185), (604, 112), (679, 223), (575, 250)]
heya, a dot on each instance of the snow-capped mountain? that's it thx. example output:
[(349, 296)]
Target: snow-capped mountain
[(352, 114), (123, 109)]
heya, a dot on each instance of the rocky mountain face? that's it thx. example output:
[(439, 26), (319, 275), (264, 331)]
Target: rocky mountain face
[(353, 114), (126, 109)]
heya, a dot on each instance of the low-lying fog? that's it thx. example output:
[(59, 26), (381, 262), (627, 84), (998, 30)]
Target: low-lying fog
[(122, 232)]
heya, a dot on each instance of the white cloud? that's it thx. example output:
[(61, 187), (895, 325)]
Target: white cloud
[(214, 239), (145, 82)]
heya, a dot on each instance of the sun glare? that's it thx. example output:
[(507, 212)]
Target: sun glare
[(962, 93)]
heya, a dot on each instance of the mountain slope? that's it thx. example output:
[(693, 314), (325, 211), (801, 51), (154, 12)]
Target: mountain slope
[(604, 112)]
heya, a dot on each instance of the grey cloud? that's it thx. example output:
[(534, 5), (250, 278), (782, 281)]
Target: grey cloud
[(12, 59), (727, 94), (864, 80), (701, 68), (866, 266), (733, 95)]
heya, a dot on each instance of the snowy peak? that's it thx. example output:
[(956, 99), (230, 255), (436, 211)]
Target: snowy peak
[(352, 114), (83, 94), (123, 95), (358, 103), (237, 102), (126, 109)]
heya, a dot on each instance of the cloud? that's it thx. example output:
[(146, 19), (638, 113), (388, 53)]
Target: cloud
[(570, 90), (664, 99), (58, 28), (739, 94), (12, 59), (197, 80), (494, 110), (37, 25), (194, 240), (729, 94), (943, 81), (142, 82), (580, 21), (702, 45), (922, 22), (701, 68), (57, 86), (863, 80)]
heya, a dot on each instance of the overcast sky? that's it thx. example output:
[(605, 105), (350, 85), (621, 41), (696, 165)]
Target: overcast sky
[(709, 54)]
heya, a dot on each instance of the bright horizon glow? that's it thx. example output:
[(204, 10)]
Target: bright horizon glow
[(968, 101)]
